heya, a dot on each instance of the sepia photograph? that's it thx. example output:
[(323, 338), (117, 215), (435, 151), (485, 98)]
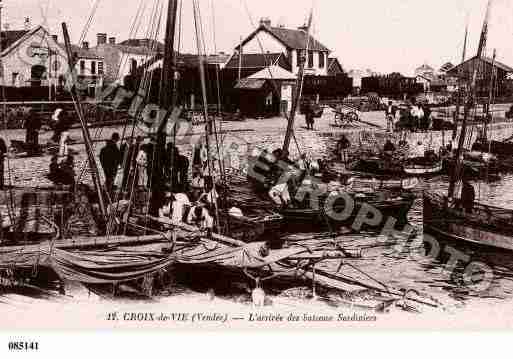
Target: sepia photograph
[(244, 164)]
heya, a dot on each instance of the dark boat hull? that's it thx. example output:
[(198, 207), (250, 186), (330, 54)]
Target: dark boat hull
[(395, 210), (487, 226), (504, 149)]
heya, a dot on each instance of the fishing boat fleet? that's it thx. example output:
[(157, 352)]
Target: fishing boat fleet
[(103, 236)]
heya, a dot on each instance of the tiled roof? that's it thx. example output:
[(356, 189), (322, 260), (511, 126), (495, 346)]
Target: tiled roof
[(446, 67), (83, 53), (250, 84), (145, 43), (498, 64), (254, 60), (291, 38), (183, 60), (425, 67), (273, 73), (333, 62), (11, 36)]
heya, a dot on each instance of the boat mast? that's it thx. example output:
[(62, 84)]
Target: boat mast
[(167, 98), (460, 90), (85, 131), (299, 87), (469, 102), (168, 87), (488, 115), (464, 55)]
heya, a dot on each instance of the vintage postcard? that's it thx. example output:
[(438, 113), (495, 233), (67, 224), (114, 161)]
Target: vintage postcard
[(200, 164)]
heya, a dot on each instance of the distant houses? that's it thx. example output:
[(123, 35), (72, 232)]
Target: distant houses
[(259, 77), (393, 85), (486, 69)]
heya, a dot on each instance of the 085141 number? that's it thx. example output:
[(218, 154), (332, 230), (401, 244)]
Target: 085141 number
[(23, 346)]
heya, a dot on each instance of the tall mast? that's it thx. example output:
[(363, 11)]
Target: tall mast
[(168, 98), (299, 87), (169, 62), (460, 90), (469, 102), (464, 55), (85, 131), (240, 59), (490, 94), (201, 58)]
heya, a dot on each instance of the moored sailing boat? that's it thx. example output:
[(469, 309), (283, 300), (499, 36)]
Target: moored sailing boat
[(473, 222), (319, 205)]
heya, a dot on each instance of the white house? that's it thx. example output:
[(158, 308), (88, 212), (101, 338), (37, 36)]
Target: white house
[(291, 42), (32, 58), (36, 58), (124, 58), (425, 70)]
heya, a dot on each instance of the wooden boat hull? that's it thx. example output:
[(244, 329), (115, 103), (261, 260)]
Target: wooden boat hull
[(396, 209), (427, 170), (415, 167), (473, 228), (504, 149)]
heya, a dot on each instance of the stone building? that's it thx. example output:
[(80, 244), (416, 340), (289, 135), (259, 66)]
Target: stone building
[(32, 58), (123, 59)]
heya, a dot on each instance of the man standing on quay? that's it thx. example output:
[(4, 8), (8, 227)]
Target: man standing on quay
[(110, 158)]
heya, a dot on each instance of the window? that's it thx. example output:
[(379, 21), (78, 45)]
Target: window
[(93, 67), (82, 67), (100, 67), (322, 63), (310, 59), (133, 66), (298, 53), (14, 78)]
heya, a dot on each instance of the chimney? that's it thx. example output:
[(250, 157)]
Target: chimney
[(102, 38), (85, 45), (265, 21), (112, 40), (27, 24), (55, 38), (303, 28)]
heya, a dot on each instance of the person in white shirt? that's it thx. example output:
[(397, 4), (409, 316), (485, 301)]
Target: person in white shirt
[(142, 163), (175, 206), (280, 194), (210, 195), (301, 163), (201, 218), (419, 150)]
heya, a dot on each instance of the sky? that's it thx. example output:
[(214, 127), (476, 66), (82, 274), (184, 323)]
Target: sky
[(381, 35)]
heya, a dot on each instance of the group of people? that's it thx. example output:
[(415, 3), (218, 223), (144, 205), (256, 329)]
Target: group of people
[(134, 163), (414, 117), (198, 208), (194, 203), (286, 182)]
